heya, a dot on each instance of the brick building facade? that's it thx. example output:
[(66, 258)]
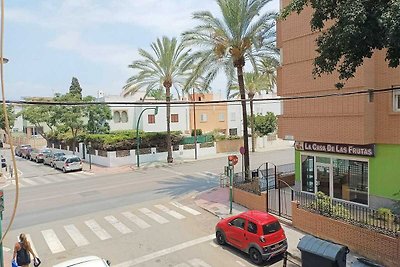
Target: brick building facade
[(347, 146)]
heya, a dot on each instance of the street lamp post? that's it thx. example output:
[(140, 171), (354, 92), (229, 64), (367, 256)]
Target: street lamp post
[(137, 134), (194, 126)]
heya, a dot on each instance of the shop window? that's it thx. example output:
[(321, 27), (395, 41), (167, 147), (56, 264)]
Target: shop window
[(124, 117), (221, 117), (396, 100), (116, 117), (307, 173), (151, 118), (350, 180), (174, 118)]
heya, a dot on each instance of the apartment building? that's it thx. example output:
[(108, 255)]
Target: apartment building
[(346, 146)]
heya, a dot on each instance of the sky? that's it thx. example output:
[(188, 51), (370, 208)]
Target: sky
[(48, 42)]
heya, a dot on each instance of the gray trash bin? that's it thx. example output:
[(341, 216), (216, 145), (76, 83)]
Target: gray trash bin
[(318, 252)]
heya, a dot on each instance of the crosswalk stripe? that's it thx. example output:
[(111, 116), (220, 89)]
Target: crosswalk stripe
[(183, 264), (185, 208), (75, 235), (42, 180), (122, 228), (69, 178), (135, 219), (19, 184), (198, 263), (153, 215), (55, 179), (97, 230), (213, 244), (30, 181), (52, 241), (170, 212)]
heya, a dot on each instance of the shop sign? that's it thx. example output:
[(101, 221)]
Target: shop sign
[(347, 149)]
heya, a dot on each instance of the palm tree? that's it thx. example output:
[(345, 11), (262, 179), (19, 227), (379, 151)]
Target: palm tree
[(242, 34), (255, 83), (168, 65)]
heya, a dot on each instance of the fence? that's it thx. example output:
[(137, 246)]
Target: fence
[(382, 222)]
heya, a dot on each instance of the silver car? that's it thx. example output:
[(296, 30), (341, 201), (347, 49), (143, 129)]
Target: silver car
[(38, 155), (68, 163), (51, 157)]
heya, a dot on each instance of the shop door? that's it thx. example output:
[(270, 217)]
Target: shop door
[(323, 179)]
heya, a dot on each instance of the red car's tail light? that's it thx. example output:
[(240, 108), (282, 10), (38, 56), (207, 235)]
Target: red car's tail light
[(262, 239)]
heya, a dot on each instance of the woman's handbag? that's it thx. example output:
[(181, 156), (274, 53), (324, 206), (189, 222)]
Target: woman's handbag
[(36, 262), (14, 263)]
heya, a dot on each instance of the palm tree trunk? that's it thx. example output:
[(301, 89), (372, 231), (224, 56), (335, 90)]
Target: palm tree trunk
[(239, 68), (253, 136), (169, 144)]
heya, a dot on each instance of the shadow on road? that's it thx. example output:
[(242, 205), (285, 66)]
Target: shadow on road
[(187, 184)]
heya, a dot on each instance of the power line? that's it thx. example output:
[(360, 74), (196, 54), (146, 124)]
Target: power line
[(209, 102)]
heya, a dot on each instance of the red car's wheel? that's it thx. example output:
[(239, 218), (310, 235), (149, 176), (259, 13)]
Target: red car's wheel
[(255, 256), (220, 238)]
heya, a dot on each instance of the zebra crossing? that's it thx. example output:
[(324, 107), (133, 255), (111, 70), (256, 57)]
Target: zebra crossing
[(50, 179), (193, 263), (125, 222)]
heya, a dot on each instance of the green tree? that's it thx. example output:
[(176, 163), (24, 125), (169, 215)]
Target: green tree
[(265, 124), (167, 65), (40, 115), (11, 117), (356, 28), (97, 116), (72, 116), (75, 88), (243, 33), (255, 83)]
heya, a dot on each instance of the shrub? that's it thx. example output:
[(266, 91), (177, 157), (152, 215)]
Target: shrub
[(198, 132)]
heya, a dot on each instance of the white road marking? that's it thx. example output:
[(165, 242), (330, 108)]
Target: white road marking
[(122, 228), (70, 178), (135, 219), (174, 172), (203, 174), (170, 212), (52, 241), (19, 183), (213, 244), (54, 179), (42, 180), (153, 215), (164, 252), (198, 263), (97, 230), (240, 263), (183, 264), (187, 209), (30, 181), (75, 235)]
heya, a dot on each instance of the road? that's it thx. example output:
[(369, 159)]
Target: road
[(139, 218)]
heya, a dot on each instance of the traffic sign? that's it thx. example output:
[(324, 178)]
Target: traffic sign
[(233, 159), (242, 150)]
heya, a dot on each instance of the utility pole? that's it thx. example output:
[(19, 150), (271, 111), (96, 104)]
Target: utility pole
[(194, 125), (137, 134)]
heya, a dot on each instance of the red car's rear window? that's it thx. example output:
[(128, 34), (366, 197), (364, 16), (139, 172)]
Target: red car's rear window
[(271, 228)]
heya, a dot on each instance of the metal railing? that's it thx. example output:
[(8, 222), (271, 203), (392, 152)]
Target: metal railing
[(377, 220)]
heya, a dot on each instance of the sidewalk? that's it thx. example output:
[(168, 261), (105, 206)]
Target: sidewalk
[(216, 201)]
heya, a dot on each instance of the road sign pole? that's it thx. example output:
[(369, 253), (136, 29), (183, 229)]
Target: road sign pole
[(230, 188), (1, 229)]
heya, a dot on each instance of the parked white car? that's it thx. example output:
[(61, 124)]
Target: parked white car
[(68, 163), (89, 261)]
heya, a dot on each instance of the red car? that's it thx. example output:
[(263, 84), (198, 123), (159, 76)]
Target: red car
[(257, 233)]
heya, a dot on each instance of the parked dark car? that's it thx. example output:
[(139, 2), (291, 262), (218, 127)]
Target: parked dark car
[(18, 149), (38, 155), (26, 152), (51, 157)]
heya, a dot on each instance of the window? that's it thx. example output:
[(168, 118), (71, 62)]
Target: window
[(238, 222), (116, 117), (271, 228), (233, 131), (252, 227), (307, 173), (203, 117), (174, 117), (124, 117), (350, 180), (151, 119), (396, 100), (233, 116), (221, 117)]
